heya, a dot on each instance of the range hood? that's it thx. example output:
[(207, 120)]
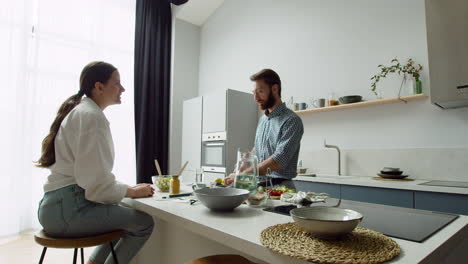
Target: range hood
[(447, 41)]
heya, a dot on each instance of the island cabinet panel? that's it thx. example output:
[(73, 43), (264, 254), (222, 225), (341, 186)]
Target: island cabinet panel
[(384, 196), (332, 189), (441, 202)]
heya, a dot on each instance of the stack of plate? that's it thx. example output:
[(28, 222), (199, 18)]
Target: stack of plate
[(391, 173)]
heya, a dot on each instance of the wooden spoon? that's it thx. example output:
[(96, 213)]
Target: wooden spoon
[(157, 167), (183, 168)]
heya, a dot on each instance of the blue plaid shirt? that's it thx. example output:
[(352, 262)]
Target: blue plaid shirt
[(279, 136)]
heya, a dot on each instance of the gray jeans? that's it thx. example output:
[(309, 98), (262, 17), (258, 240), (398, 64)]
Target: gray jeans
[(66, 213)]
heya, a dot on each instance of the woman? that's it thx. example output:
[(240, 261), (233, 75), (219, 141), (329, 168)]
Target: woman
[(81, 193)]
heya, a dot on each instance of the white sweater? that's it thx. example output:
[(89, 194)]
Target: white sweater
[(84, 155)]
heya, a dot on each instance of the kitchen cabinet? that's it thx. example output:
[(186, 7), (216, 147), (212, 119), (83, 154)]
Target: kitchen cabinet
[(232, 112), (394, 197), (433, 201), (447, 50), (214, 112), (441, 202), (191, 137)]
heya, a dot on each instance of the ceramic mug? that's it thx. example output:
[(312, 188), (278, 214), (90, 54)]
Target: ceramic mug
[(319, 102), (302, 106), (295, 106)]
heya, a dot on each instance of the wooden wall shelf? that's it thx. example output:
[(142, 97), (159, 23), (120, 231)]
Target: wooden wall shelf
[(401, 99)]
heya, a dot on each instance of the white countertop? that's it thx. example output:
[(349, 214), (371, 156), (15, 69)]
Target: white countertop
[(241, 228), (369, 182)]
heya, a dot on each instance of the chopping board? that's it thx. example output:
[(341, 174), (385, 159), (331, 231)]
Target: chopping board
[(383, 179)]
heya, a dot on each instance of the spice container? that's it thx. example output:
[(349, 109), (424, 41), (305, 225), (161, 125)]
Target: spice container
[(174, 185), (332, 101)]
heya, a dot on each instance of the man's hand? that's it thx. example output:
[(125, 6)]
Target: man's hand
[(229, 179)]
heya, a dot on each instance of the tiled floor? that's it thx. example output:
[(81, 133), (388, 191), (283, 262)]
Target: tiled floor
[(23, 249)]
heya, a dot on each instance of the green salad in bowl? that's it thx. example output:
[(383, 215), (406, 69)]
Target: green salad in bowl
[(162, 182)]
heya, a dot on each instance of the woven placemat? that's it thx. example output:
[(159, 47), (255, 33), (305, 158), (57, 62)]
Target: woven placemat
[(360, 246), (383, 179)]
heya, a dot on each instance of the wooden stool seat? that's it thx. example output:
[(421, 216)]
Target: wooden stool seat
[(43, 239), (77, 243), (218, 259)]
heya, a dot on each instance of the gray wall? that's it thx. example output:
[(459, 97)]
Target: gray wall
[(319, 47), (186, 48)]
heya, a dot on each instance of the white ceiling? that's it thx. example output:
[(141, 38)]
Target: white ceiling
[(197, 11)]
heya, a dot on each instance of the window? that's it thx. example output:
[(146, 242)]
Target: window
[(46, 43)]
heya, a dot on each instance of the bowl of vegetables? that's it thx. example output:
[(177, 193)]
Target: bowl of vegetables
[(162, 182), (276, 192)]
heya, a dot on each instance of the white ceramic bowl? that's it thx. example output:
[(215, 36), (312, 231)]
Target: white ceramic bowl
[(221, 199), (390, 169), (326, 222)]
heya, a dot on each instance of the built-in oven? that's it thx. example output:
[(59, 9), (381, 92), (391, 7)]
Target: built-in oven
[(213, 155)]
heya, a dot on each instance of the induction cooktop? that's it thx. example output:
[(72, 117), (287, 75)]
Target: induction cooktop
[(446, 184), (404, 223)]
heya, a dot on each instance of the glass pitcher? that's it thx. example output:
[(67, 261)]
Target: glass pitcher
[(246, 170)]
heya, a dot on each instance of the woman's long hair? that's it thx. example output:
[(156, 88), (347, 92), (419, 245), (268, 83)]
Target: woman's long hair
[(97, 71)]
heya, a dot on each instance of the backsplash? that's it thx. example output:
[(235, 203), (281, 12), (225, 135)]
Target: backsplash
[(419, 163)]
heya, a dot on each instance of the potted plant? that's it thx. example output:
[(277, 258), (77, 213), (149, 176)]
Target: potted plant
[(407, 69)]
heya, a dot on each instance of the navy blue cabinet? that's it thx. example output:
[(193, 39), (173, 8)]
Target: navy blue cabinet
[(332, 189), (441, 202), (432, 201), (394, 197)]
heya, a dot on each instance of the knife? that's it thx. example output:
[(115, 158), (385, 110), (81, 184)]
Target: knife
[(178, 195)]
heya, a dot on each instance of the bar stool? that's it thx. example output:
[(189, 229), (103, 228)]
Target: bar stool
[(77, 243), (224, 259)]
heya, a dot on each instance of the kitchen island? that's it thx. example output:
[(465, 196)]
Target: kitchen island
[(184, 232)]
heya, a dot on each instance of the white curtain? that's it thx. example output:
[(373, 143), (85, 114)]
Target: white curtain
[(44, 45)]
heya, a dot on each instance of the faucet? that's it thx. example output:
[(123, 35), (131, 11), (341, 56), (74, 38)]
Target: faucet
[(339, 154)]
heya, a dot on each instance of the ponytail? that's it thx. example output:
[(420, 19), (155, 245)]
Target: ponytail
[(97, 71), (47, 158)]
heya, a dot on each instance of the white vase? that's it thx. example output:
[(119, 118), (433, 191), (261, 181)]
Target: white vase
[(409, 90)]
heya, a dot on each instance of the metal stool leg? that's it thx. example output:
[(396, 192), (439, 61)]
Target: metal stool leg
[(74, 256), (82, 256), (43, 255), (113, 253)]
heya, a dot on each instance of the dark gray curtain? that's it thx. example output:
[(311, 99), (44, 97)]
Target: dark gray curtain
[(152, 85)]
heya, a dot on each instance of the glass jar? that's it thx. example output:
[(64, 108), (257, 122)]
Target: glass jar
[(246, 170), (174, 185), (417, 86), (332, 101)]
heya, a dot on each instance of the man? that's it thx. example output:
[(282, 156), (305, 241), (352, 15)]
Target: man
[(279, 131)]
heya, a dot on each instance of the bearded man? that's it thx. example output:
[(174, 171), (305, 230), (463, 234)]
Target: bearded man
[(279, 131)]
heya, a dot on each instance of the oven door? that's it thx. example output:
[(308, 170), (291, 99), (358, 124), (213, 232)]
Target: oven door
[(213, 156)]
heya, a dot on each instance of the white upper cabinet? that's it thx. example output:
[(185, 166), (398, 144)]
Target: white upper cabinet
[(191, 136), (214, 112), (447, 39)]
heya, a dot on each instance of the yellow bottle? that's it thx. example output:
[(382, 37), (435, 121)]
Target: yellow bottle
[(175, 185)]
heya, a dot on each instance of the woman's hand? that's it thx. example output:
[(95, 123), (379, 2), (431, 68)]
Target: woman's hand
[(139, 191)]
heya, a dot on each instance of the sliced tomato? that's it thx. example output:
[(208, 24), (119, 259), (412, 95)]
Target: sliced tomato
[(275, 192)]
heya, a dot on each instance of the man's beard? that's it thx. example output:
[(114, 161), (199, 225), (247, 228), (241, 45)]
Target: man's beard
[(269, 103)]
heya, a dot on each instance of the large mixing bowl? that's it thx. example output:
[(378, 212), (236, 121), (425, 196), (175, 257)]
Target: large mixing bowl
[(221, 199), (326, 222)]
